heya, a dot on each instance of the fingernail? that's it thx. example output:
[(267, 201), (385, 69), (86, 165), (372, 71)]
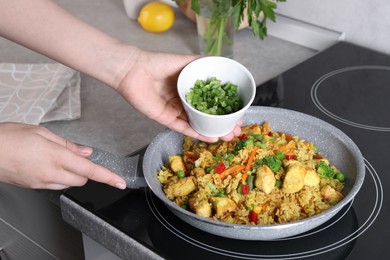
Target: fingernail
[(85, 150), (121, 185)]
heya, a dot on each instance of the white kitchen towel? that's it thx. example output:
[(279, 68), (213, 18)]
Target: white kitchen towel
[(38, 93)]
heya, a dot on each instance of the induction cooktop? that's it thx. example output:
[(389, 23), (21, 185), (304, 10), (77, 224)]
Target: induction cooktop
[(346, 85)]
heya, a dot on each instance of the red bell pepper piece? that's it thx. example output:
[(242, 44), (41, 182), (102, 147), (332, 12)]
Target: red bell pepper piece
[(243, 136), (220, 168), (245, 189), (253, 217)]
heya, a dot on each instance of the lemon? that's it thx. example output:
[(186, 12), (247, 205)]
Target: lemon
[(156, 17)]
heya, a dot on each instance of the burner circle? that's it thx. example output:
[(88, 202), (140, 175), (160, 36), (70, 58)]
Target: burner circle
[(286, 248), (347, 93)]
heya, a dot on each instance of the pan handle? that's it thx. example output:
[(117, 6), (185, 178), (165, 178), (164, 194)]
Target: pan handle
[(129, 168)]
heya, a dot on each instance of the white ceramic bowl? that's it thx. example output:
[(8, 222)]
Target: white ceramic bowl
[(226, 70)]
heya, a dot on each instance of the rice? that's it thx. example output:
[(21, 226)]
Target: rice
[(261, 177)]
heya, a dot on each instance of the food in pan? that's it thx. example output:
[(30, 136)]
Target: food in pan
[(260, 177)]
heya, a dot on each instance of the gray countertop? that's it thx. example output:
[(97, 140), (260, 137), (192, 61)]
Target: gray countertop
[(107, 120)]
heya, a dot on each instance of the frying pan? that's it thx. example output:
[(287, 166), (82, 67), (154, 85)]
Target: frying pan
[(330, 141)]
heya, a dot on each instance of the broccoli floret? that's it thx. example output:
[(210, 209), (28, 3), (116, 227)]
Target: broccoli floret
[(273, 162), (280, 155), (324, 170), (245, 143)]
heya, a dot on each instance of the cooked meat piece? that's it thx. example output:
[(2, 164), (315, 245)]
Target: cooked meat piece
[(181, 187), (330, 194), (199, 172), (200, 207), (311, 179), (265, 179), (176, 163), (294, 179), (287, 163), (222, 206)]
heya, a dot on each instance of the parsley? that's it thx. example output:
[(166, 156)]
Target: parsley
[(258, 12)]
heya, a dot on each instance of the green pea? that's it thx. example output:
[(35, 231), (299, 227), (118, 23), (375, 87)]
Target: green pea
[(180, 174), (340, 176)]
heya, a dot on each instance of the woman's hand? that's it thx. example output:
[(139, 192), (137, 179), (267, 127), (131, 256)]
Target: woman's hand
[(150, 86), (146, 79), (34, 157)]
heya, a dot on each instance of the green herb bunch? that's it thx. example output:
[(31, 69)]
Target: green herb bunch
[(258, 12)]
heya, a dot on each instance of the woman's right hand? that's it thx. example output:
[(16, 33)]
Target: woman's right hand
[(34, 157)]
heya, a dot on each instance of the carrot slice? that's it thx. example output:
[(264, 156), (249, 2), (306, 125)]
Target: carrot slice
[(266, 126), (231, 170), (250, 159), (288, 137), (287, 146)]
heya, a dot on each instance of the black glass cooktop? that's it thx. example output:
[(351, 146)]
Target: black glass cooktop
[(345, 85)]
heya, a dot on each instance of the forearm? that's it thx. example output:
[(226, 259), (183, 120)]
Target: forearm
[(43, 26)]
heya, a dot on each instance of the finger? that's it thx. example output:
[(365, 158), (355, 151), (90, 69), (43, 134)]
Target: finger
[(237, 130), (182, 126), (56, 186), (227, 137), (69, 179), (192, 133), (71, 157), (81, 150), (84, 151), (183, 115), (64, 184), (88, 169), (72, 161)]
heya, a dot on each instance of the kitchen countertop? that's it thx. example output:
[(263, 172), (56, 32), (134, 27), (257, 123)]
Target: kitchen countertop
[(107, 120)]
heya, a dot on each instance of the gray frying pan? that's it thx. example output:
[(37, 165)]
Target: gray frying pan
[(331, 142)]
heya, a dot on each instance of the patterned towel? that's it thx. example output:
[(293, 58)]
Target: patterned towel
[(37, 93)]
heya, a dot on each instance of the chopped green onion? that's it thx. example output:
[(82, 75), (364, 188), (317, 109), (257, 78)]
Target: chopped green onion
[(251, 182), (212, 97), (278, 184)]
